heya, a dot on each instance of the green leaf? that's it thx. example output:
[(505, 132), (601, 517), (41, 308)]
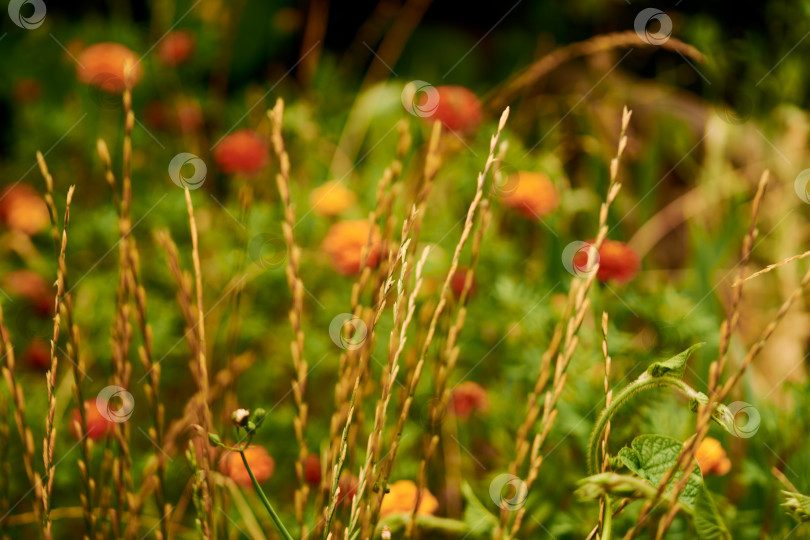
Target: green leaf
[(651, 456), (618, 485), (675, 366), (708, 523), (480, 521)]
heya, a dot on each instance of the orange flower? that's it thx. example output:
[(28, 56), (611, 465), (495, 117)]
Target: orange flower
[(712, 458), (242, 152), (617, 261), (261, 463), (468, 397), (531, 194), (176, 47), (457, 108), (38, 354), (401, 498), (346, 242), (22, 208), (102, 65), (331, 199), (98, 426), (27, 90)]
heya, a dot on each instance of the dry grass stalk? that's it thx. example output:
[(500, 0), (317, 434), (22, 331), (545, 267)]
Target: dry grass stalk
[(608, 401), (18, 399), (403, 314), (296, 286), (66, 315), (49, 443), (130, 281), (353, 362), (773, 267), (208, 521), (563, 348), (448, 355), (431, 166)]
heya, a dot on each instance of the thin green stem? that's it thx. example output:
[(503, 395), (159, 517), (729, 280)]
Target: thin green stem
[(277, 520), (645, 382)]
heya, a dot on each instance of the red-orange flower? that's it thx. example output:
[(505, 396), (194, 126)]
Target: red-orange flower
[(242, 152), (456, 107), (712, 457), (98, 426), (468, 397), (103, 66), (38, 354), (22, 209), (401, 498), (261, 463), (176, 47), (27, 90), (346, 242), (617, 261), (531, 194)]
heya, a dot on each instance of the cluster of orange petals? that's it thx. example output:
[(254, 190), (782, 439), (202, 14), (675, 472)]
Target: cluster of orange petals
[(532, 195), (261, 463), (242, 152), (458, 109), (331, 199), (22, 209), (104, 65), (176, 48), (712, 457), (98, 426), (468, 397), (312, 469), (346, 242), (401, 498)]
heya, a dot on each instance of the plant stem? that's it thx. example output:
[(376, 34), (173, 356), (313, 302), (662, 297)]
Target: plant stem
[(645, 382), (263, 497)]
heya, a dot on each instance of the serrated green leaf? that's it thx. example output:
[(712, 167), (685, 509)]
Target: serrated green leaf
[(675, 366), (651, 456), (708, 523)]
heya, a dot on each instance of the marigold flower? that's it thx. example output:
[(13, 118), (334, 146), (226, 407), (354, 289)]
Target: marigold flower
[(176, 47), (531, 194), (468, 397), (457, 108), (98, 426), (712, 457), (331, 199), (346, 242), (261, 463), (617, 261), (401, 498), (102, 65), (38, 354), (242, 152), (22, 209)]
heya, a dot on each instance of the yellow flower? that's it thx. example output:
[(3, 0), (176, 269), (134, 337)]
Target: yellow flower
[(712, 458), (331, 199), (401, 498)]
